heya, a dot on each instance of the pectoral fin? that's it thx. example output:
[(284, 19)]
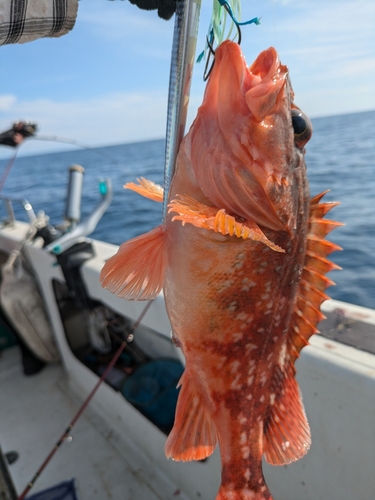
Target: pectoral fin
[(193, 212), (136, 272), (146, 188)]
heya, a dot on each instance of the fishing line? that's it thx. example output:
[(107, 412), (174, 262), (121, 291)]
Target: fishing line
[(84, 405), (217, 28), (7, 170), (53, 138)]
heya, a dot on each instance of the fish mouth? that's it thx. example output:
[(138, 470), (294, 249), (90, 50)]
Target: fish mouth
[(266, 77)]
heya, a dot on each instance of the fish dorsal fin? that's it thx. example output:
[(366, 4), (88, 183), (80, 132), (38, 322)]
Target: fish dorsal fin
[(136, 272), (286, 430), (310, 295), (193, 436)]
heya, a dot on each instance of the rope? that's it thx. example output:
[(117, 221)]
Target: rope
[(83, 406)]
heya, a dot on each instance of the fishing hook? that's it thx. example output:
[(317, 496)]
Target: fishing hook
[(206, 73), (227, 7)]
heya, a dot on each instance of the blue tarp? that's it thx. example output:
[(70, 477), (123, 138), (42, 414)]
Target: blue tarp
[(63, 491)]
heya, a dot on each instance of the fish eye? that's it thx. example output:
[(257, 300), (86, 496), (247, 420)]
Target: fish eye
[(302, 127)]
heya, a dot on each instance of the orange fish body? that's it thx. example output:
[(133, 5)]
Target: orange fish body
[(243, 274)]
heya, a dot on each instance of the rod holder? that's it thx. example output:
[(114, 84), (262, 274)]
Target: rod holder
[(74, 196)]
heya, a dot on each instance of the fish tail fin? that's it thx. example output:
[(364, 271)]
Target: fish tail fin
[(193, 436), (262, 493), (136, 272)]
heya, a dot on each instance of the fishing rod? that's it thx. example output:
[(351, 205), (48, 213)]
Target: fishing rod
[(84, 405)]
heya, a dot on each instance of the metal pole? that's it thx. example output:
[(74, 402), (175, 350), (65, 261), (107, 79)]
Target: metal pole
[(182, 62)]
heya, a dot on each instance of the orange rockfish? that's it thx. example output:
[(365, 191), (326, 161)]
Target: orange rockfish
[(243, 273)]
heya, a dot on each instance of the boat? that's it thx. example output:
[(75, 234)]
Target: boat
[(53, 301), (118, 447)]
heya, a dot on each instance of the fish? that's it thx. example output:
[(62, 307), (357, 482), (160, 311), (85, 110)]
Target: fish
[(242, 261)]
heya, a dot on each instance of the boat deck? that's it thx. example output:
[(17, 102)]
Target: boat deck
[(34, 412)]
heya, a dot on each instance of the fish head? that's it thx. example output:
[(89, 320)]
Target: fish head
[(248, 139)]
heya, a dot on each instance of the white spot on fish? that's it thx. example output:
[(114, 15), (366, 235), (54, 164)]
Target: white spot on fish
[(249, 397), (265, 296), (234, 366), (232, 306), (269, 356), (275, 338), (251, 347), (224, 285), (262, 399), (263, 378), (242, 316), (260, 330), (242, 419), (245, 452), (270, 304), (285, 445), (222, 361), (282, 356), (235, 386), (243, 438), (250, 380), (237, 336), (272, 398), (251, 369), (247, 284), (247, 474)]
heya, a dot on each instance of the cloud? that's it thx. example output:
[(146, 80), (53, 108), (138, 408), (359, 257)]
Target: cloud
[(109, 119), (7, 101)]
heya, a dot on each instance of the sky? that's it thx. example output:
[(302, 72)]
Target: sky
[(106, 82)]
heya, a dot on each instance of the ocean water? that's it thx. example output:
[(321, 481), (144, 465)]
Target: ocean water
[(340, 157)]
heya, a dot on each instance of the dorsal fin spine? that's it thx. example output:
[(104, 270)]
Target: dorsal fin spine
[(313, 282)]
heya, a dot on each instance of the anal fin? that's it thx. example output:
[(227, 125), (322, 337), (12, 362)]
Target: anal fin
[(136, 271), (286, 431), (193, 436)]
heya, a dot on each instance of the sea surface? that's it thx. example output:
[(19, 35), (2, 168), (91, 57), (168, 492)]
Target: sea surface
[(340, 157)]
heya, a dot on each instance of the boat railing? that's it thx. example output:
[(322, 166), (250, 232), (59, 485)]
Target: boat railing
[(8, 204)]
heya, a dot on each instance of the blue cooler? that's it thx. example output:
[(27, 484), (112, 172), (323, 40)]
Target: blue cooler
[(152, 390)]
